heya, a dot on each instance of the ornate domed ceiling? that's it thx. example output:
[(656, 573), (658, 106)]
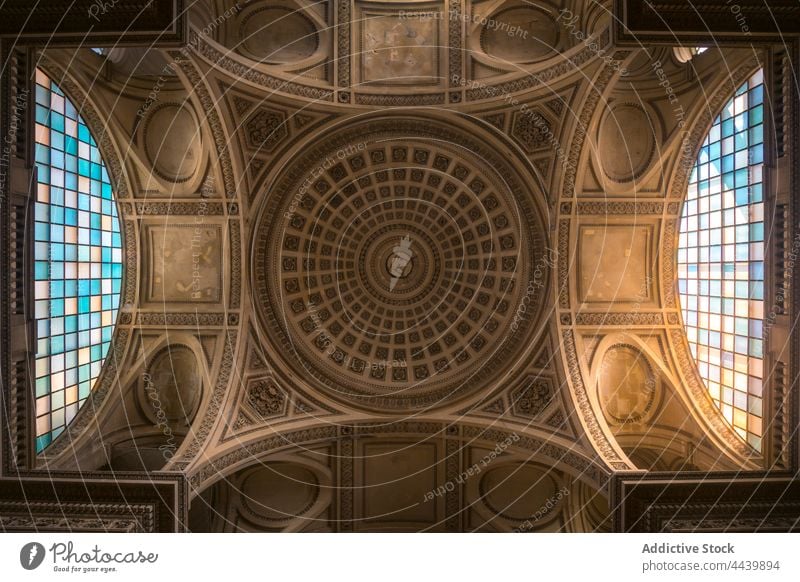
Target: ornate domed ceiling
[(390, 259), (381, 240)]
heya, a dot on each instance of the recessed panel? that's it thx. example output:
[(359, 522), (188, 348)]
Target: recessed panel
[(396, 480), (400, 48), (279, 491), (279, 35), (519, 491), (520, 35), (614, 264), (173, 385), (626, 385), (185, 263), (172, 142)]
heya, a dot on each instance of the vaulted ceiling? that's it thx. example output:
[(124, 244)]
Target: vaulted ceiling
[(527, 344)]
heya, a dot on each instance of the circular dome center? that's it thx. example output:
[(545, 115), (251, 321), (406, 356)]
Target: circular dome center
[(403, 259)]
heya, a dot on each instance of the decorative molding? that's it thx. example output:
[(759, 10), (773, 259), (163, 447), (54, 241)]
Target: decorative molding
[(532, 130), (563, 263), (595, 432), (195, 319), (497, 120), (131, 262), (61, 523), (668, 502), (588, 110), (545, 77), (532, 397), (344, 28), (180, 208), (346, 483), (134, 22), (212, 117), (605, 207), (455, 33), (676, 22), (241, 422), (213, 408), (620, 319), (420, 99), (238, 70), (264, 129), (497, 406), (266, 398), (452, 499), (669, 258), (56, 501), (591, 469), (71, 517), (235, 233)]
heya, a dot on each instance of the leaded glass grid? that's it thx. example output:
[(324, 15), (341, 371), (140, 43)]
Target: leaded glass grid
[(77, 261), (721, 261)]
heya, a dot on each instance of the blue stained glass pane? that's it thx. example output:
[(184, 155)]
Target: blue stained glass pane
[(42, 115), (42, 154), (57, 344), (69, 309), (757, 290), (71, 324), (756, 154), (727, 128), (71, 146), (56, 121), (57, 141), (56, 252), (56, 307), (43, 441), (43, 97), (757, 134), (757, 115), (83, 133), (56, 289), (723, 302), (41, 232)]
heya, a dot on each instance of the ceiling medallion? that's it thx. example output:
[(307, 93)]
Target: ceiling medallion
[(399, 263)]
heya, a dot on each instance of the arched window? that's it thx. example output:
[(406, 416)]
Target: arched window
[(78, 261), (721, 261)]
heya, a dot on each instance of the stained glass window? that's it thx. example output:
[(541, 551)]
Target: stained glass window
[(721, 261), (78, 261)]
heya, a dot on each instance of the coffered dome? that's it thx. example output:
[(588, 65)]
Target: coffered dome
[(403, 250)]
